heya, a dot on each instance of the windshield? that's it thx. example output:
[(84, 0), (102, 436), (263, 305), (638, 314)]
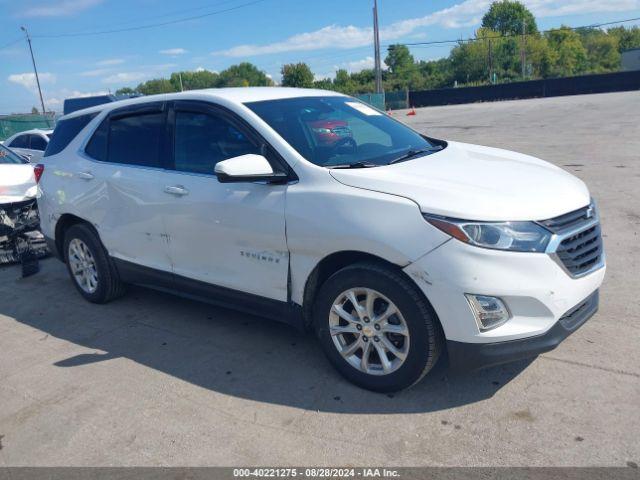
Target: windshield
[(340, 131), (7, 156)]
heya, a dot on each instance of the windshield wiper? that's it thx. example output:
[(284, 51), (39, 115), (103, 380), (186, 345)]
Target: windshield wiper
[(415, 152), (355, 165)]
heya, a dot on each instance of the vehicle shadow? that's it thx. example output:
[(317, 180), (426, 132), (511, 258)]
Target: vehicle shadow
[(221, 350)]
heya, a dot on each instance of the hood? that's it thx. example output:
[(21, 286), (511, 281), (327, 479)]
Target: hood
[(17, 183), (472, 182)]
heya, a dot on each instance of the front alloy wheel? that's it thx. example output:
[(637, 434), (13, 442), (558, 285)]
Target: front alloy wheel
[(369, 331), (376, 327)]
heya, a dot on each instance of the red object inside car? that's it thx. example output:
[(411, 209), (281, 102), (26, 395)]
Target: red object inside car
[(329, 132)]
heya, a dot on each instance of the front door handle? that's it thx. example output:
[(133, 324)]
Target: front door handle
[(178, 190), (85, 175)]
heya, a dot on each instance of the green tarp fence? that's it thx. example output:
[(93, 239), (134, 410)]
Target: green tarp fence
[(388, 100), (397, 100), (10, 124), (373, 99)]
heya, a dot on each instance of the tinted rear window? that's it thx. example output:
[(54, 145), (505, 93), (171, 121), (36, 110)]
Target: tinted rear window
[(65, 132), (19, 142), (38, 143)]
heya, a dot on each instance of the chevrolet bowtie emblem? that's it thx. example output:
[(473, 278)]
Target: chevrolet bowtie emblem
[(590, 212)]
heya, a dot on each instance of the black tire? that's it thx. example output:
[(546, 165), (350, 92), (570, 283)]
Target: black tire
[(109, 285), (425, 340)]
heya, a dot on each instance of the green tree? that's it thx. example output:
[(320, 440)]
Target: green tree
[(155, 86), (469, 62), (125, 91), (507, 18), (436, 73), (34, 111), (196, 80), (568, 55), (244, 74), (297, 75), (365, 80), (628, 38), (602, 49), (324, 84), (399, 59), (403, 72), (343, 83), (539, 56)]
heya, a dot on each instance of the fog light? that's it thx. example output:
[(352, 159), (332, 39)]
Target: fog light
[(490, 312)]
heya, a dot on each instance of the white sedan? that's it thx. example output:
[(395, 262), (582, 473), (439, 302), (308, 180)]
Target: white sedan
[(18, 211), (17, 178), (31, 143)]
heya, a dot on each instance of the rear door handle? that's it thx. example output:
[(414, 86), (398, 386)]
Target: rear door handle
[(178, 190), (85, 175)]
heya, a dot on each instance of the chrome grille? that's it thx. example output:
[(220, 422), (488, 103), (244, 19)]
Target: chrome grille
[(570, 220), (582, 251), (578, 246)]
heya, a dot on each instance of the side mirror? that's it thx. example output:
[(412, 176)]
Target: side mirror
[(246, 168)]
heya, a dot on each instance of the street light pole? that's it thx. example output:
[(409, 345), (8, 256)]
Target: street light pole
[(523, 51), (35, 70), (376, 42)]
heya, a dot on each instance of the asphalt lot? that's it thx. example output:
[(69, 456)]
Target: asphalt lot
[(157, 380)]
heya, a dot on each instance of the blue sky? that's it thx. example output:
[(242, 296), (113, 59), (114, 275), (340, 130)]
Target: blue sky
[(328, 35)]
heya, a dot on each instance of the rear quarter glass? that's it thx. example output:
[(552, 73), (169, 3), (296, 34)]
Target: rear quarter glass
[(65, 132)]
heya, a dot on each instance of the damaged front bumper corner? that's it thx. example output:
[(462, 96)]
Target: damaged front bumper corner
[(19, 231)]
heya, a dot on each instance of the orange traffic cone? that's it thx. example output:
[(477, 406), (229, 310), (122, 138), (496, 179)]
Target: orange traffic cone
[(411, 112)]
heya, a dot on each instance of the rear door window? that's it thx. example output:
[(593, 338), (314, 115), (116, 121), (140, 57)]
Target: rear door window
[(97, 146), (136, 139)]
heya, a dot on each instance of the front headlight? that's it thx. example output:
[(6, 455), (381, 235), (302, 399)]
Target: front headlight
[(513, 236)]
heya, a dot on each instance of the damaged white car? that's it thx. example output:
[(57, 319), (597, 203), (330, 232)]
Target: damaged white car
[(20, 238)]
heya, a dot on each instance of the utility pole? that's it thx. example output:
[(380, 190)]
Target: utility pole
[(523, 51), (490, 62), (376, 42), (35, 70)]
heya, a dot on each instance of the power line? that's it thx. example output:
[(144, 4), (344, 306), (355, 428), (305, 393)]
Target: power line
[(11, 43), (433, 43), (153, 25), (153, 17)]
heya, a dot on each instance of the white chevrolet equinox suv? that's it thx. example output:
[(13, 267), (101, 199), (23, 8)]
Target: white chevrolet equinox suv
[(312, 208)]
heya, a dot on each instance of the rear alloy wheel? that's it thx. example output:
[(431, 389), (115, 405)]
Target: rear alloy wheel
[(83, 266), (376, 327), (90, 267)]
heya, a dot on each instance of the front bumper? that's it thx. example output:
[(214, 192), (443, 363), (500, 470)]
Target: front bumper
[(535, 289), (19, 231), (472, 356)]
